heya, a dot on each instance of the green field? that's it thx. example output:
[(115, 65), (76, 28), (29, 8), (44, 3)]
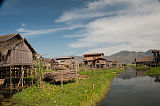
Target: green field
[(82, 92)]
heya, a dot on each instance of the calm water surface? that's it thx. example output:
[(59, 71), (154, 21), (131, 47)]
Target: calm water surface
[(6, 93), (133, 88)]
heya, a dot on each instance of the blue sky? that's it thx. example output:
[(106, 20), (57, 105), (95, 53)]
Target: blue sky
[(73, 27)]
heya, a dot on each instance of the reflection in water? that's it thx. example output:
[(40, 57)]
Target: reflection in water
[(6, 93), (157, 78), (133, 88), (130, 73)]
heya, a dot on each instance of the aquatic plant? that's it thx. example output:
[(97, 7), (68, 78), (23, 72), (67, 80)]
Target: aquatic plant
[(153, 71)]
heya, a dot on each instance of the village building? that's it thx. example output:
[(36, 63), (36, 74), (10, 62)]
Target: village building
[(66, 62), (95, 60), (112, 63), (14, 50), (49, 63), (156, 54), (16, 55), (147, 60)]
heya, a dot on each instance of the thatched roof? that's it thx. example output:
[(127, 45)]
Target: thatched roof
[(4, 38), (7, 42), (145, 59)]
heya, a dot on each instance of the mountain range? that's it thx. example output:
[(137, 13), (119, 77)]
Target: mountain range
[(123, 57), (127, 57)]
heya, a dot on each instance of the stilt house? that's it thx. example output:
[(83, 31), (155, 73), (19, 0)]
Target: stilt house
[(16, 57), (15, 51), (66, 62), (95, 60), (148, 60), (156, 54)]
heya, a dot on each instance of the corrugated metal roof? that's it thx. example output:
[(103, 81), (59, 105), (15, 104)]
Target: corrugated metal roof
[(93, 54), (155, 51)]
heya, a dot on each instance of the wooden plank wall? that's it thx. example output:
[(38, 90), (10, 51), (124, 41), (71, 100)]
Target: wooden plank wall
[(20, 55)]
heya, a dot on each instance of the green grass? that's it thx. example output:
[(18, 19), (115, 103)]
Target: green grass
[(140, 67), (153, 71), (83, 92)]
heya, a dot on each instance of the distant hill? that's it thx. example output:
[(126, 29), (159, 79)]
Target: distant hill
[(127, 57), (124, 57)]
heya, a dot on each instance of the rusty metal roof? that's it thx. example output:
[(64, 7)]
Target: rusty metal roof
[(92, 54), (155, 51)]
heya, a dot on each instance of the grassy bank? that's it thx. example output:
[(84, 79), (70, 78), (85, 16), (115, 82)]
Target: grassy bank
[(140, 67), (153, 71), (83, 92)]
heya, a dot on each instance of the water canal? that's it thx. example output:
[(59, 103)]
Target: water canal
[(133, 88), (6, 93)]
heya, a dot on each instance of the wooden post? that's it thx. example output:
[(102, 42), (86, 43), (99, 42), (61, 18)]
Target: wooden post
[(76, 70), (47, 67), (78, 67), (22, 70), (61, 80), (31, 75), (34, 72), (40, 73), (27, 72), (95, 66), (10, 77), (15, 72)]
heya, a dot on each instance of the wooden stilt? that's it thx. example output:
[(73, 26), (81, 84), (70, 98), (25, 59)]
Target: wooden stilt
[(22, 70), (78, 67), (47, 67), (61, 80), (10, 77), (31, 75), (34, 72), (27, 71)]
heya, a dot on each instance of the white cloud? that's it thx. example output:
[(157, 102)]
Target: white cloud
[(132, 25), (23, 24), (28, 32), (91, 10)]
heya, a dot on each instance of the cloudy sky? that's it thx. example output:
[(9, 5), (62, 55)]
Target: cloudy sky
[(73, 27)]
